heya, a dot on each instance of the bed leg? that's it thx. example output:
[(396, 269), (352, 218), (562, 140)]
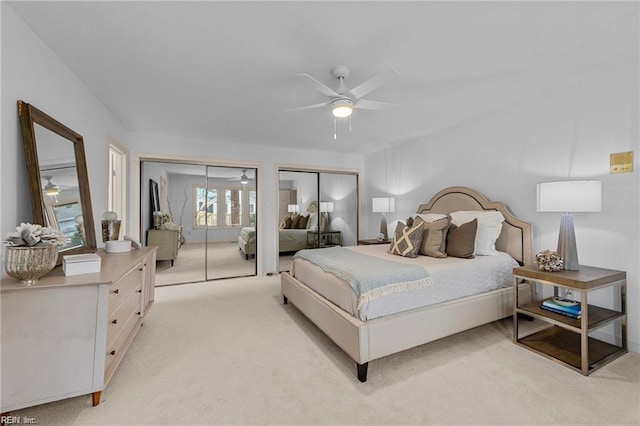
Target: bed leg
[(362, 371), (285, 300)]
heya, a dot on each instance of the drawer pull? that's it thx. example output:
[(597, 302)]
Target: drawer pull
[(138, 313), (116, 291), (140, 291), (112, 353), (115, 321)]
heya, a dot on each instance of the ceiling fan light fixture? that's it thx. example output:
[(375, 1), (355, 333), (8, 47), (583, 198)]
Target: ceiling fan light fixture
[(50, 189), (342, 108), (244, 179)]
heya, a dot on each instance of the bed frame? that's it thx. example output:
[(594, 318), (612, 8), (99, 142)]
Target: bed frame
[(365, 341)]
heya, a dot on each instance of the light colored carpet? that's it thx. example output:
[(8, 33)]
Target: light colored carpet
[(230, 352), (224, 260), (284, 262)]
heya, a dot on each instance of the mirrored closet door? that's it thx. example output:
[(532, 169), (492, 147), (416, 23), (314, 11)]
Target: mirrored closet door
[(316, 209), (231, 222), (202, 218)]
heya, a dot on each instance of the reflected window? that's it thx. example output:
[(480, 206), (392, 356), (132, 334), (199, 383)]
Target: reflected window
[(233, 207), (252, 208), (63, 217), (206, 207)]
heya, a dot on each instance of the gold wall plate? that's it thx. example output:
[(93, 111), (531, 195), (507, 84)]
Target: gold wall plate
[(621, 162)]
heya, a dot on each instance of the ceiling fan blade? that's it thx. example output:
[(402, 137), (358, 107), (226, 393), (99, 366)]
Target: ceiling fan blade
[(323, 104), (320, 87), (367, 104), (372, 84)]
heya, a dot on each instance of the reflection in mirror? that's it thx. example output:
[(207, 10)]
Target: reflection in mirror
[(59, 181), (58, 178)]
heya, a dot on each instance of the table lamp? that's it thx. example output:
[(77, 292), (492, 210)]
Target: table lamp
[(383, 205), (567, 197)]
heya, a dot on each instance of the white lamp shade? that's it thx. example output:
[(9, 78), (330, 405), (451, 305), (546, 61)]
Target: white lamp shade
[(293, 208), (326, 206), (383, 204), (570, 196)]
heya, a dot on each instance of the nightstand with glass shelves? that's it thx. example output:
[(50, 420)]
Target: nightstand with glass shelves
[(566, 340), (327, 239), (372, 241)]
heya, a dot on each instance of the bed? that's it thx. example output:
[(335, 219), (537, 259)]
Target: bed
[(289, 240), (366, 337)]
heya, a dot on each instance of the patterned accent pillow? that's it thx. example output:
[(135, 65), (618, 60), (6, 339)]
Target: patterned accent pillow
[(286, 222), (406, 240)]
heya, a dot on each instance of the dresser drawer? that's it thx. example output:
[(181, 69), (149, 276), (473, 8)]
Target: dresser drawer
[(119, 318), (119, 290), (115, 346)]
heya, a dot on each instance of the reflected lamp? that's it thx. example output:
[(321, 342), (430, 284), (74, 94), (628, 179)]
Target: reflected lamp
[(383, 205)]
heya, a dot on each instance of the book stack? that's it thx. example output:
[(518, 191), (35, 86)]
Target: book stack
[(562, 306)]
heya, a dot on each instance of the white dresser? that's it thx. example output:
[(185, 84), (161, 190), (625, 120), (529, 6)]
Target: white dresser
[(65, 336)]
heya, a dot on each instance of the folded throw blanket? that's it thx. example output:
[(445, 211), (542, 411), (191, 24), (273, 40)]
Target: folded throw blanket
[(369, 277)]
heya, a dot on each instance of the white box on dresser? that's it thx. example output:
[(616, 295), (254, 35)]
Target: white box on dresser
[(77, 264), (66, 335)]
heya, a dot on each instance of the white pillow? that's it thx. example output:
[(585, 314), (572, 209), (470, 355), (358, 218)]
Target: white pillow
[(489, 228), (312, 224), (430, 217)]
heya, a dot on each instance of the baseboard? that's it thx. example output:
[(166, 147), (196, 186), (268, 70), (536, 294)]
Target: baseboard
[(632, 346)]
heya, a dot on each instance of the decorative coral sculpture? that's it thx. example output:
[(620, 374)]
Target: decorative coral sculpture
[(549, 261)]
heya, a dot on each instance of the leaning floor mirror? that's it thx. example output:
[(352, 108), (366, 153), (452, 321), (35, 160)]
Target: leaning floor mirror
[(58, 179)]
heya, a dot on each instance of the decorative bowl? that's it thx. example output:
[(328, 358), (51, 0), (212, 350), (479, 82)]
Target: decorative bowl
[(29, 264)]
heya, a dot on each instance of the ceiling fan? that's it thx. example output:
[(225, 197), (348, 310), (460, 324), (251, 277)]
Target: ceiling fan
[(50, 189), (343, 100), (244, 179)]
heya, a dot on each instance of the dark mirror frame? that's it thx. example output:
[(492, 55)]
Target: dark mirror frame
[(30, 115)]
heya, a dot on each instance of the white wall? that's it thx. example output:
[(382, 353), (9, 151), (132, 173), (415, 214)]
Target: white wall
[(33, 73), (265, 159), (342, 190), (564, 132)]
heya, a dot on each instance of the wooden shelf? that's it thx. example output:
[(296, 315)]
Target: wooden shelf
[(563, 340), (564, 345), (597, 316)]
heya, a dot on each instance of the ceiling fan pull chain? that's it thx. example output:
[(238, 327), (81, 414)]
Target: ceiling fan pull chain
[(349, 123), (334, 129)]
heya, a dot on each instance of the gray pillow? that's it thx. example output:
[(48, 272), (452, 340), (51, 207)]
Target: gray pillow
[(434, 238), (461, 240)]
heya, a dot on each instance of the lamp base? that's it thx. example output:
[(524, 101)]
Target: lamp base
[(567, 243), (383, 227)]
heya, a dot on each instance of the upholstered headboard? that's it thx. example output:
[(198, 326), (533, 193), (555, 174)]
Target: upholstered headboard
[(515, 237)]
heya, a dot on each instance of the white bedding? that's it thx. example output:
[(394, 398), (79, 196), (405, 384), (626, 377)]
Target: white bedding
[(453, 278)]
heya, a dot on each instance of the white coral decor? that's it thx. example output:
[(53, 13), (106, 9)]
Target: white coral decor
[(33, 235)]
